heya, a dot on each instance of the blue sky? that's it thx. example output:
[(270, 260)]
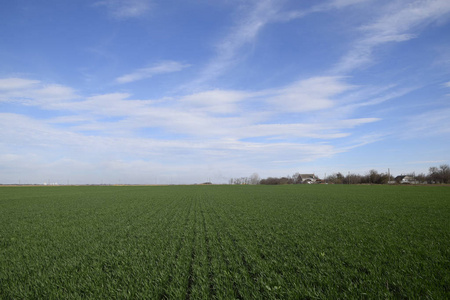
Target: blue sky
[(146, 91)]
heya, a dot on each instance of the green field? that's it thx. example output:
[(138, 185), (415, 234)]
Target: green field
[(225, 242)]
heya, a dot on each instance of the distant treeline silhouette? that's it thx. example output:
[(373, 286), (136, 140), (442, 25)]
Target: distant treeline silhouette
[(436, 175)]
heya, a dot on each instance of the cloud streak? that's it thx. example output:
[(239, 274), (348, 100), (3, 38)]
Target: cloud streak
[(250, 21), (311, 94), (148, 72), (400, 22), (16, 83), (125, 9), (253, 18)]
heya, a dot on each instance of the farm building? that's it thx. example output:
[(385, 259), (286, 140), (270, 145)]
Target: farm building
[(406, 179), (308, 178)]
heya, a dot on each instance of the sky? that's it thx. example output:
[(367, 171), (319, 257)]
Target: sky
[(181, 92)]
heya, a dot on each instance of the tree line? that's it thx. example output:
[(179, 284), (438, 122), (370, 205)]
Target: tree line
[(436, 175)]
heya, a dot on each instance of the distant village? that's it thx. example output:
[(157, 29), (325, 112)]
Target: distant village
[(436, 175)]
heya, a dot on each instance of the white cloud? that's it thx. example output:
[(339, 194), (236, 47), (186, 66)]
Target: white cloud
[(34, 92), (318, 130), (322, 7), (447, 84), (401, 21), (335, 4), (430, 123), (221, 113), (215, 101), (54, 92), (371, 97), (123, 9), (249, 23), (309, 95), (16, 83), (252, 19), (426, 162), (224, 114), (109, 105), (344, 3), (160, 68), (408, 16)]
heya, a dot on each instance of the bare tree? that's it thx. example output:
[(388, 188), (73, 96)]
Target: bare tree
[(336, 178), (439, 175), (296, 178), (421, 178), (254, 179), (445, 173), (433, 175)]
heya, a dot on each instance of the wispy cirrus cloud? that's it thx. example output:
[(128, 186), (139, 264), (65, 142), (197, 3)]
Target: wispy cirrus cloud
[(216, 101), (319, 130), (34, 92), (16, 83), (312, 94), (344, 3), (399, 22), (285, 16), (426, 162), (334, 4), (429, 123), (124, 9), (252, 18), (163, 67)]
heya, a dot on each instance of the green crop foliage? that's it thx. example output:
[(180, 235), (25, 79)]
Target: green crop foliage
[(225, 242)]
